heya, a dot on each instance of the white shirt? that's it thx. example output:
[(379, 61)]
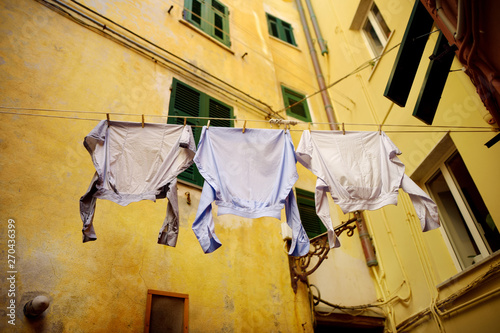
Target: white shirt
[(134, 163), (361, 171)]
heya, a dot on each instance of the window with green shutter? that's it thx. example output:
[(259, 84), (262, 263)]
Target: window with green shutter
[(298, 105), (210, 16), (188, 102), (307, 210), (280, 29)]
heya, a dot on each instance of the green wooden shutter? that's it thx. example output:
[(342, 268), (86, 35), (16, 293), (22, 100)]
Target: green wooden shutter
[(220, 22), (293, 99), (217, 109), (189, 102), (193, 12), (435, 80), (409, 54), (186, 102), (272, 25), (288, 32), (299, 110), (210, 16), (307, 210), (280, 29)]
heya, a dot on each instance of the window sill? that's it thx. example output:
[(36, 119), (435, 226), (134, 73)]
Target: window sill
[(204, 34), (188, 184), (286, 43), (493, 257)]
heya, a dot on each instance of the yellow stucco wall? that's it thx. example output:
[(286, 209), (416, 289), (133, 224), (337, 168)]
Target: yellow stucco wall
[(49, 61), (411, 263)]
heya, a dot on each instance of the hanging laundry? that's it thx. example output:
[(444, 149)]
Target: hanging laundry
[(361, 171), (133, 164), (248, 174)]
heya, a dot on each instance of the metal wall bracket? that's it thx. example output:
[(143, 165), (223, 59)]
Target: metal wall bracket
[(320, 249)]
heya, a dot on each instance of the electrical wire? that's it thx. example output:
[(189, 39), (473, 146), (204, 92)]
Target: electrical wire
[(252, 35), (208, 23), (145, 51), (365, 65), (149, 53), (361, 67), (174, 55), (454, 129), (493, 271)]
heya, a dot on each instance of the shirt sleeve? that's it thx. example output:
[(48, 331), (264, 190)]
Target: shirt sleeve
[(93, 142), (300, 241), (87, 210), (424, 206), (323, 211), (304, 154), (170, 228), (187, 139), (304, 150), (97, 134), (203, 225)]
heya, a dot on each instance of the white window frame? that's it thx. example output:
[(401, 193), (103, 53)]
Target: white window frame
[(432, 165), (469, 220), (378, 30)]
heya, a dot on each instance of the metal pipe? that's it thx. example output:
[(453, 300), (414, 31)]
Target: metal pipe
[(321, 41), (460, 21), (317, 69), (444, 18), (480, 298), (366, 242)]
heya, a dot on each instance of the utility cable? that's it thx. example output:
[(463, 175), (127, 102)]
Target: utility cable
[(165, 50), (492, 272), (361, 67), (123, 40), (364, 65), (455, 129), (183, 60), (249, 33)]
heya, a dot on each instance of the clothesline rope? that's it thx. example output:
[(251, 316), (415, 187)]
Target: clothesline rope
[(271, 122)]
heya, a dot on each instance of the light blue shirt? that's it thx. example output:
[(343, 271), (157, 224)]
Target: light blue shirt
[(247, 174)]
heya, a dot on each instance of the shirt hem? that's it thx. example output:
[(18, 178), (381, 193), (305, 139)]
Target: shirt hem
[(252, 214), (368, 204)]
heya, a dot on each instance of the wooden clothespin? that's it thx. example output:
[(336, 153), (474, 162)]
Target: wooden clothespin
[(107, 118), (309, 127), (244, 127), (143, 121), (343, 129), (185, 121), (208, 124), (379, 129)]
